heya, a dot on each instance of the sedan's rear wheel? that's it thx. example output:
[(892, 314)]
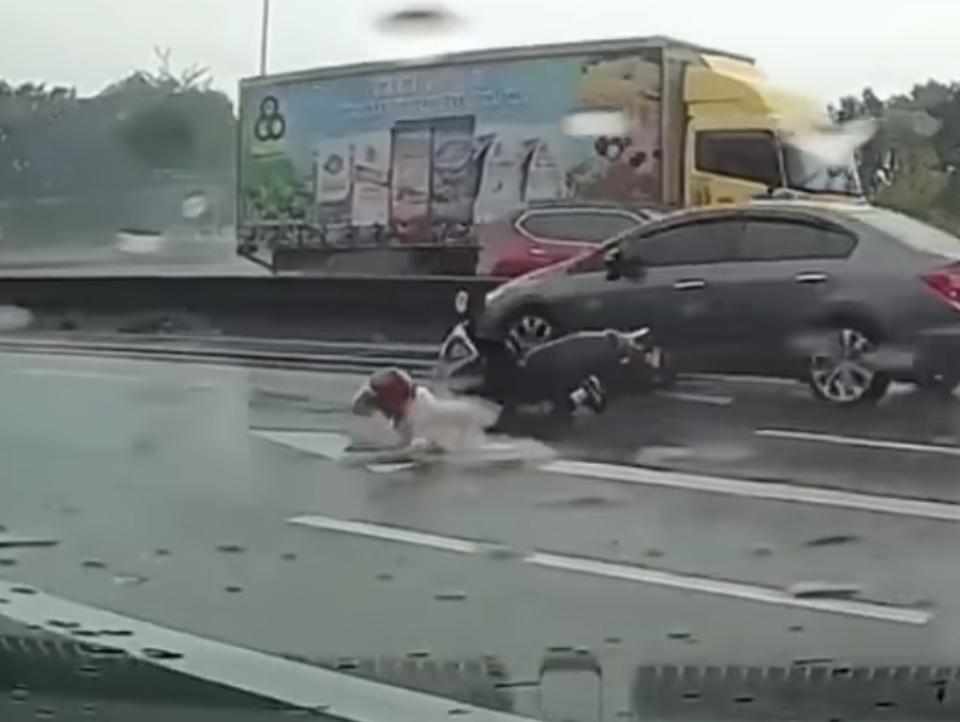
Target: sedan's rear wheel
[(530, 329), (840, 375)]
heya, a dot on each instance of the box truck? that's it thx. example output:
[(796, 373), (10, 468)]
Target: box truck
[(399, 167)]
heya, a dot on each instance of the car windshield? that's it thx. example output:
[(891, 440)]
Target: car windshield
[(462, 361), (811, 172)]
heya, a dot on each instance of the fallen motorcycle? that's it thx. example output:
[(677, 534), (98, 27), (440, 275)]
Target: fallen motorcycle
[(598, 365)]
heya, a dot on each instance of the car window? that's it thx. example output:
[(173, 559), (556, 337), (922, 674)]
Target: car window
[(775, 240), (696, 243), (751, 155), (582, 227)]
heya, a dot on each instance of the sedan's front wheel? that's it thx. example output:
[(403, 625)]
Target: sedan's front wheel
[(530, 329), (839, 373)]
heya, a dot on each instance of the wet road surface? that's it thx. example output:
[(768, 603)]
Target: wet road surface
[(198, 505)]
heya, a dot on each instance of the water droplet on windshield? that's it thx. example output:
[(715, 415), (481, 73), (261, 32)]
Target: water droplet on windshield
[(63, 624), (833, 540), (418, 31), (116, 632), (823, 590), (450, 596), (422, 20), (88, 670), (130, 580), (158, 653)]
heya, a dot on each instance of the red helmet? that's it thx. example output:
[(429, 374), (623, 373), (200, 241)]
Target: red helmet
[(393, 390)]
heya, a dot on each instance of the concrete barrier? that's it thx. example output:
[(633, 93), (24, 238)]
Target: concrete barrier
[(352, 308)]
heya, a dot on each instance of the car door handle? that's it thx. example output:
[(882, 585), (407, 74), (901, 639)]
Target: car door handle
[(811, 277), (689, 284)]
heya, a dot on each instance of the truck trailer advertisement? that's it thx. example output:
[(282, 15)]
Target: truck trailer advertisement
[(373, 165)]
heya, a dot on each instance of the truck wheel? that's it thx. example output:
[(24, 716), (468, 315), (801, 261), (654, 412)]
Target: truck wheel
[(840, 376)]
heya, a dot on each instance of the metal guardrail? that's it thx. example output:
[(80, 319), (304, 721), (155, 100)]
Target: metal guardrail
[(370, 307), (280, 353)]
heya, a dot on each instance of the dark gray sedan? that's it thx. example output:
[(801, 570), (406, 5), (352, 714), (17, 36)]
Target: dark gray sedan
[(846, 297)]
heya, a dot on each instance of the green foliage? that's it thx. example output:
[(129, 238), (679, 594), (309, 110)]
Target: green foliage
[(177, 120), (919, 141), (187, 130)]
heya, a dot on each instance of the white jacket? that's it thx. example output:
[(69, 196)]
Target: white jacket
[(453, 424)]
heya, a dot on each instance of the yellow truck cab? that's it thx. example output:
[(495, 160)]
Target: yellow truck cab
[(745, 137)]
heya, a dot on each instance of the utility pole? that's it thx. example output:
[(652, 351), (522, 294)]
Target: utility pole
[(264, 33)]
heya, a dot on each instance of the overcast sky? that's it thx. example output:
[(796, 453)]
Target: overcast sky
[(821, 47)]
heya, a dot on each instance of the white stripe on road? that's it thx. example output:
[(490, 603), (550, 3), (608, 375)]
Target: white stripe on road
[(333, 446), (738, 379), (78, 374), (713, 399), (725, 588), (859, 441), (329, 445), (388, 533), (266, 675), (772, 491), (624, 572)]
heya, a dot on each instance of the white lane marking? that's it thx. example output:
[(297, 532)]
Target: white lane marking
[(745, 379), (78, 374), (258, 673), (624, 572), (333, 446), (713, 399), (388, 533), (773, 491), (860, 441), (329, 445), (724, 588), (392, 468)]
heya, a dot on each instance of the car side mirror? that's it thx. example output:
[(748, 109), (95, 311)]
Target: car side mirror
[(620, 267), (613, 262)]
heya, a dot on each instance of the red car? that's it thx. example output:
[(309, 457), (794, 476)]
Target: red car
[(543, 235)]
